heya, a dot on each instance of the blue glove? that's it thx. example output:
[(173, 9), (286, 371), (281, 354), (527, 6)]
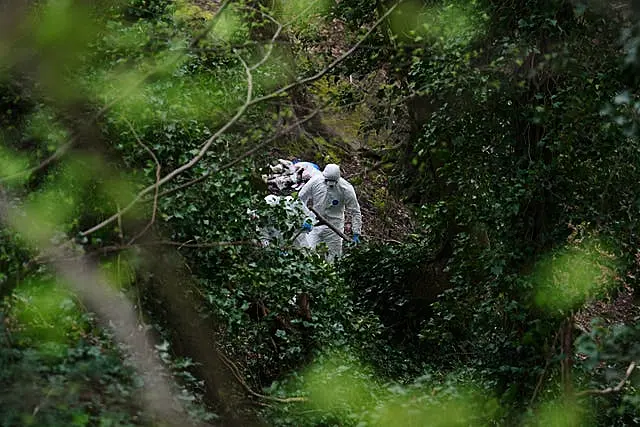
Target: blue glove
[(356, 238), (307, 226)]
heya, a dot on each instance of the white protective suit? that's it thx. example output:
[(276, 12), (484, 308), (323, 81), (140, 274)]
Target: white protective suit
[(331, 196)]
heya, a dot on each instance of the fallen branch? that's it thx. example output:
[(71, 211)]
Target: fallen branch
[(609, 390), (236, 373)]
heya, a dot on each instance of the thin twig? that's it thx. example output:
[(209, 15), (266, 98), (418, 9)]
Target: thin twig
[(55, 156), (120, 228), (276, 34), (41, 404), (241, 157), (157, 187), (608, 390), (190, 163), (202, 245)]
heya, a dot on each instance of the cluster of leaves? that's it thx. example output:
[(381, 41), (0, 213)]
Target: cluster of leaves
[(57, 366)]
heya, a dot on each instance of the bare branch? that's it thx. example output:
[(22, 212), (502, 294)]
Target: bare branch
[(609, 390), (236, 373), (117, 248), (190, 163), (243, 156), (332, 65), (157, 187)]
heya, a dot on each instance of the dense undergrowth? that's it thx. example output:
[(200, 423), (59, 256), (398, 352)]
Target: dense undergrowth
[(509, 131), (58, 367)]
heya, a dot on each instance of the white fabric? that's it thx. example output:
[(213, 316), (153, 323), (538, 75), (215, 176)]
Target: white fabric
[(332, 172), (296, 212), (272, 200), (323, 234), (283, 166), (308, 170), (331, 203)]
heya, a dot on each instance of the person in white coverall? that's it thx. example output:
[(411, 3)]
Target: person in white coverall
[(331, 196)]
